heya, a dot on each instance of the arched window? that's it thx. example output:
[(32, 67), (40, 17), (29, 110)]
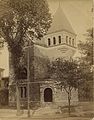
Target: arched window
[(49, 42), (67, 39), (54, 40), (22, 73), (59, 37), (70, 40), (73, 42), (48, 95)]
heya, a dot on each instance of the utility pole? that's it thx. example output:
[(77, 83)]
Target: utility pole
[(28, 82), (18, 100), (28, 79)]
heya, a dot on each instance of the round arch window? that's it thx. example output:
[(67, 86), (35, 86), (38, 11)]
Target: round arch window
[(48, 95)]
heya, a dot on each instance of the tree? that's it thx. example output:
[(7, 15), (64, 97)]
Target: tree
[(15, 25), (69, 74), (24, 18), (86, 61), (86, 48)]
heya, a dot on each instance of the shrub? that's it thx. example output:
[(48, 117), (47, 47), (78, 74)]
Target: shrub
[(4, 93)]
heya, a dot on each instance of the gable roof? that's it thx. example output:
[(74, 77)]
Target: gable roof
[(60, 22)]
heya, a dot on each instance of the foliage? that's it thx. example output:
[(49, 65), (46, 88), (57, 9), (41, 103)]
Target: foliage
[(86, 62), (4, 97), (24, 18), (69, 74), (87, 47)]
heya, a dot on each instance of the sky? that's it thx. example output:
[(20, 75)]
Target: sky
[(79, 15)]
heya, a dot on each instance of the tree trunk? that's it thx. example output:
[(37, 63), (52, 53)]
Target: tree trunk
[(69, 104), (15, 62), (18, 100), (69, 101)]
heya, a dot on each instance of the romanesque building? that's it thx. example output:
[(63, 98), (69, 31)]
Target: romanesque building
[(60, 41)]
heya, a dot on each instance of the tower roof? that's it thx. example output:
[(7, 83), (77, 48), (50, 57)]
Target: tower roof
[(60, 22)]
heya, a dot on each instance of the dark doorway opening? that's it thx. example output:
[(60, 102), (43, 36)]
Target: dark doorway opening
[(48, 95)]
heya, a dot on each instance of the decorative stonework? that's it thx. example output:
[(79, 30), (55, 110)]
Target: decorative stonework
[(59, 96), (42, 89)]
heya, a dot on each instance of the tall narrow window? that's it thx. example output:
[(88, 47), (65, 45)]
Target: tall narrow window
[(21, 92), (59, 39), (25, 92), (49, 42), (73, 42), (67, 39), (54, 40), (70, 40)]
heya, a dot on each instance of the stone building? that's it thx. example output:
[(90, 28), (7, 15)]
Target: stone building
[(60, 41)]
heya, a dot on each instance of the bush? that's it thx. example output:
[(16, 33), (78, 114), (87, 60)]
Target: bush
[(4, 93)]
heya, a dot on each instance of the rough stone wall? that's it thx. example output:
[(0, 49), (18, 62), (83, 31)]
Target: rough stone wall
[(59, 96), (39, 73)]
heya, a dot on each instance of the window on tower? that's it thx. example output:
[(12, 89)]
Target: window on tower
[(49, 42), (73, 42), (67, 39), (54, 40), (70, 40), (59, 39)]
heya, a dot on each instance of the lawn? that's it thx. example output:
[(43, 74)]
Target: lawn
[(83, 111)]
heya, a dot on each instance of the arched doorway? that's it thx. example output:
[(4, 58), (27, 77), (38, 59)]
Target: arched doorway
[(48, 96)]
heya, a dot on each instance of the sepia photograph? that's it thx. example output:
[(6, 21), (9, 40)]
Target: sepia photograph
[(46, 60)]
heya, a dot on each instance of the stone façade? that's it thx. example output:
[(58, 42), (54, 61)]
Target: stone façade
[(60, 41)]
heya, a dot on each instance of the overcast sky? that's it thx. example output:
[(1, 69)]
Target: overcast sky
[(79, 15)]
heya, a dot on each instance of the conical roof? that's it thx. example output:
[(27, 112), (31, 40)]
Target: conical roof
[(60, 22)]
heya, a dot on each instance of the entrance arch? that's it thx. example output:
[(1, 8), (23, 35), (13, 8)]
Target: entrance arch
[(48, 95)]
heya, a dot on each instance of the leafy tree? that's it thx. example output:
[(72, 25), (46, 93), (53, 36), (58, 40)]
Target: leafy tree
[(24, 15), (24, 18), (86, 48), (69, 74), (86, 62)]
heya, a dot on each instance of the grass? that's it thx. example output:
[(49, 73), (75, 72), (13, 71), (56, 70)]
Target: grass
[(82, 111)]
